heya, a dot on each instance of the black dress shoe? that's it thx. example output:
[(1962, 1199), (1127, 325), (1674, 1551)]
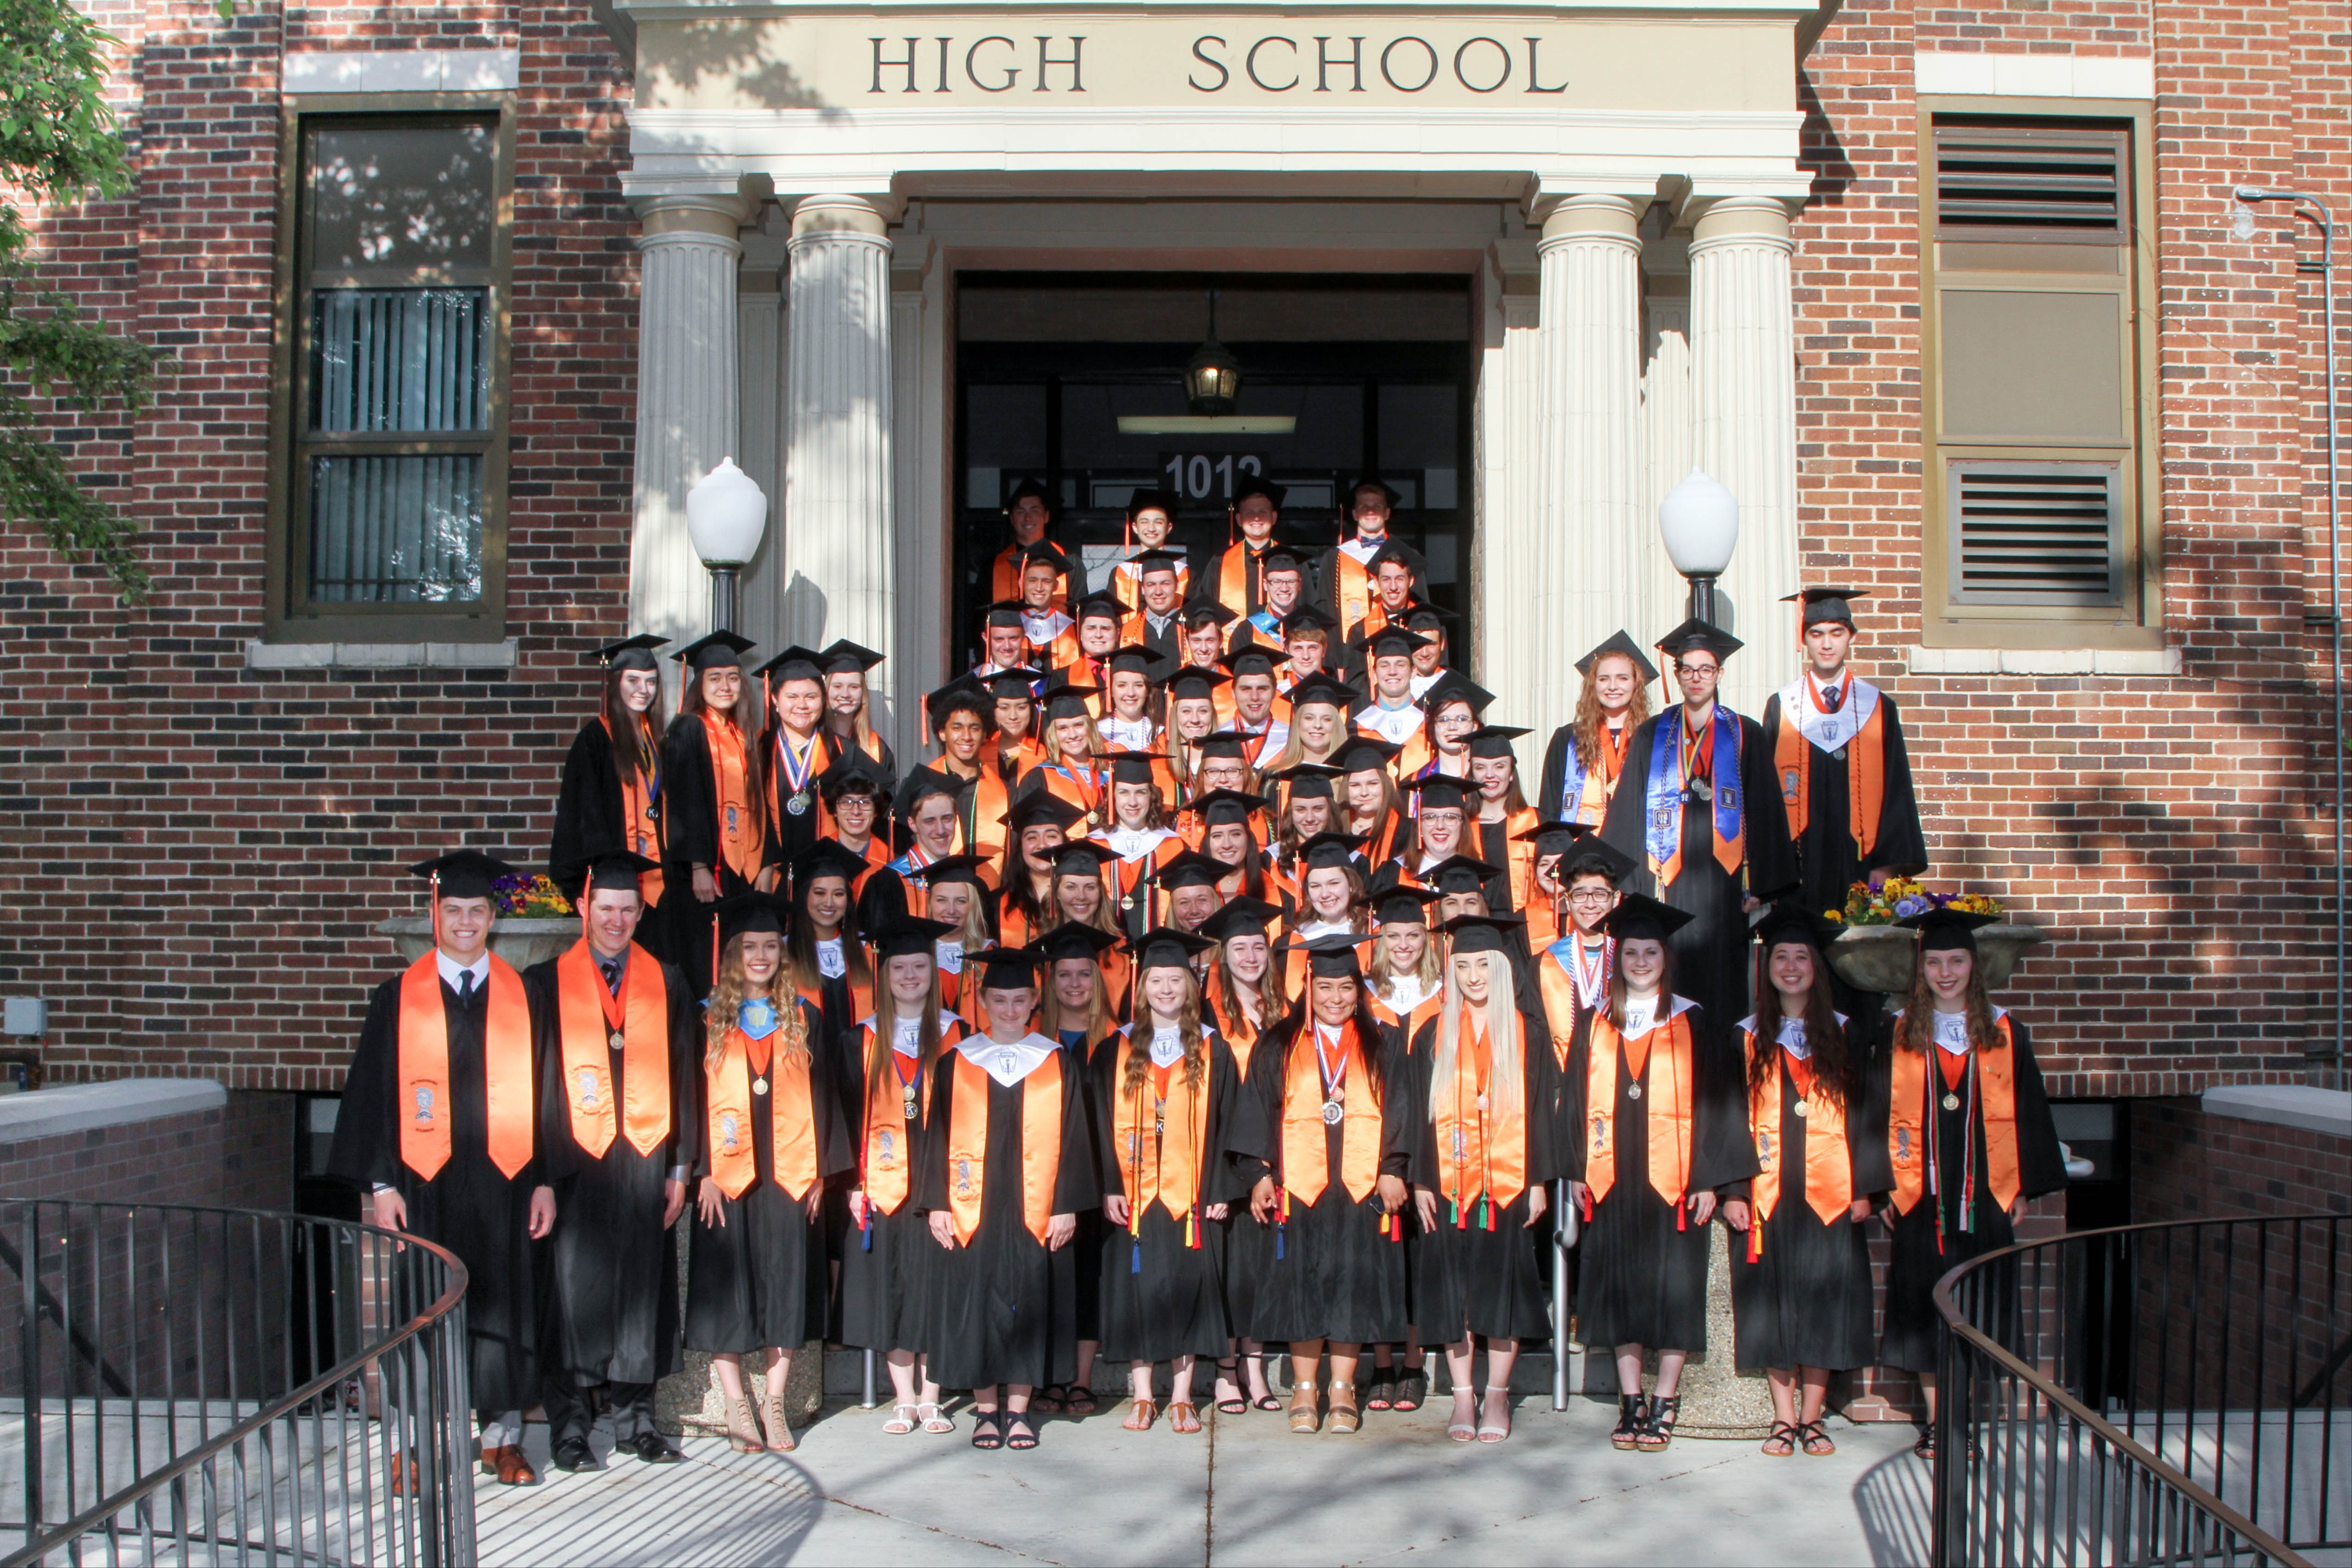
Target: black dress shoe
[(651, 1446), (575, 1454)]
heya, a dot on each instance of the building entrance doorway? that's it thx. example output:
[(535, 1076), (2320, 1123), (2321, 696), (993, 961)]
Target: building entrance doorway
[(1077, 381)]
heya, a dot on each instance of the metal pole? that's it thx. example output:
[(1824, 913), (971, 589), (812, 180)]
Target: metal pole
[(868, 1394), (1702, 605), (722, 597), (1563, 1237)]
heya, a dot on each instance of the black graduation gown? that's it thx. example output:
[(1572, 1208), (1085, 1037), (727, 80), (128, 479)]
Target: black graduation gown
[(1094, 1231), (1710, 951), (1162, 1299), (1485, 1277), (469, 1207), (790, 832), (611, 1264), (759, 1279), (589, 805), (1005, 1307), (1334, 1276), (1807, 1301), (1248, 1246), (1828, 861), (886, 1266), (1643, 1280), (1914, 1334), (693, 838)]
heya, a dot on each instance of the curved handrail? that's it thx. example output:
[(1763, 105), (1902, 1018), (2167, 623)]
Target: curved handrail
[(2106, 1430), (35, 1550)]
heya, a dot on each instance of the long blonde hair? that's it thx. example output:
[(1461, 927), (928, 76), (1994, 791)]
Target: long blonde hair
[(1590, 716), (1187, 1029), (734, 989), (1293, 753), (1506, 1041), (1430, 972)]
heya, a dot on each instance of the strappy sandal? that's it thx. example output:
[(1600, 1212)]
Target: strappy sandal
[(1926, 1447), (1495, 1431), (1381, 1392), (1412, 1391), (1782, 1441), (1183, 1418), (1811, 1433), (1632, 1414), (936, 1421), (1229, 1376), (779, 1428), (988, 1429), (1345, 1417), (1269, 1400), (902, 1421), (1047, 1399), (1465, 1430), (743, 1429), (1658, 1430), (1019, 1435), (1303, 1415), (1140, 1416), (1078, 1399)]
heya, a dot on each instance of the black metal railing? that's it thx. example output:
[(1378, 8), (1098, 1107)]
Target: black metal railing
[(2154, 1394), (212, 1385)]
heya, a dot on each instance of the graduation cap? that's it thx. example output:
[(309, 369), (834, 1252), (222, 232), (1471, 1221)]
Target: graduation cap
[(1007, 968), (1130, 767), (1075, 939), (1307, 618), (1326, 850), (1004, 613), (630, 652), (1195, 681), (1250, 661), (853, 775), (951, 869), (1199, 612), (615, 871), (1493, 740), (1039, 808), (1694, 635), (794, 663), (1239, 916), (1419, 615), (1193, 869), (827, 857), (1143, 501), (1618, 642), (1029, 489), (1070, 702), (1452, 687), (1637, 916), (1308, 780), (1280, 558), (1224, 807), (1388, 492), (742, 914), (1135, 659), (1393, 641), (1044, 553), (1253, 485), (1395, 550), (1441, 791), (1165, 948), (1102, 605), (1946, 930), (1148, 561), (719, 651), (1826, 604), (963, 695), (1461, 874), (1789, 922), (923, 782), (1408, 905), (1363, 754), (1080, 857), (1483, 933), (842, 655), (1016, 684), (463, 874), (1322, 689), (1590, 856), (1332, 955), (905, 936), (1230, 743)]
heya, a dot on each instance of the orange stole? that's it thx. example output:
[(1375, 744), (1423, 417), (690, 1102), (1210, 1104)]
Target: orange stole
[(1522, 855), (1352, 589), (1305, 1171), (861, 998), (886, 1148), (1238, 579), (1829, 1167), (422, 1046), (1668, 1116), (638, 821), (1240, 1039), (1480, 1152), (792, 1119), (741, 841), (1792, 760), (1153, 1168), (584, 1021), (1560, 1003), (1040, 1145), (1906, 1140)]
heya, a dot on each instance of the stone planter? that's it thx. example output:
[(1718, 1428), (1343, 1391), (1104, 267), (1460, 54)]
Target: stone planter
[(1881, 958), (521, 940)]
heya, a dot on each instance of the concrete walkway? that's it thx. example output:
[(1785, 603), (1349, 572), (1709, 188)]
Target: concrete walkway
[(1245, 1491)]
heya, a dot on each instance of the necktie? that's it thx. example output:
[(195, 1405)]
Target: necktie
[(612, 967), (1832, 698), (466, 986)]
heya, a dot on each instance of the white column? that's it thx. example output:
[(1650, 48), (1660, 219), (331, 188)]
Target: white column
[(1744, 382), (1592, 546), (760, 451), (1665, 455), (687, 399), (839, 567), (919, 395)]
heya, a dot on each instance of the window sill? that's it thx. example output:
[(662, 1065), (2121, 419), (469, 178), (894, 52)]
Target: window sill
[(2044, 660), (2312, 1109), (382, 655)]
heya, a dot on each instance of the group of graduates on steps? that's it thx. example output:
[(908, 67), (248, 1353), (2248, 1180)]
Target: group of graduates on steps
[(1215, 988)]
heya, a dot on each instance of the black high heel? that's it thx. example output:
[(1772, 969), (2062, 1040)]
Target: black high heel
[(1632, 1417)]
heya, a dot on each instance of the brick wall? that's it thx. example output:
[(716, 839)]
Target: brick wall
[(2187, 1165), (240, 1156)]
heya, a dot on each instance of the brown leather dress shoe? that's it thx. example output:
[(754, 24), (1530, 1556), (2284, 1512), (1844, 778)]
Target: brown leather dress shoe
[(513, 1468), (404, 1475)]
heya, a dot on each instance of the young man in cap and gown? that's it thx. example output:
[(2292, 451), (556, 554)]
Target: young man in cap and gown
[(1240, 568), (1028, 514), (793, 752), (1344, 575)]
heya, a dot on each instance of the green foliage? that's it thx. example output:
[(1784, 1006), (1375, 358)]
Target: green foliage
[(57, 147)]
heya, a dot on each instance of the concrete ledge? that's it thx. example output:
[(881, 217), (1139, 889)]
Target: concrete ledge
[(2328, 1112), (2043, 661), (1980, 74), (81, 1107), (382, 656), (402, 70)]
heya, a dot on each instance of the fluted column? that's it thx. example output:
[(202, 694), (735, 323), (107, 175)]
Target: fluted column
[(687, 398), (1743, 383), (840, 576), (1592, 546)]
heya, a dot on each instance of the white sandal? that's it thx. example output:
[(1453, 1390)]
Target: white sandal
[(935, 1422), (902, 1421)]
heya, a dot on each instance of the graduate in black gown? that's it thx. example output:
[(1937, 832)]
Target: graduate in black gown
[(772, 1133), (718, 841), (438, 1125), (1078, 1013), (1801, 1286), (849, 709), (1326, 1141), (890, 1259), (1164, 1098), (794, 751), (1658, 1100), (611, 794), (618, 1041), (1693, 813), (1970, 1138), (1245, 1002), (1486, 1080), (1008, 1165)]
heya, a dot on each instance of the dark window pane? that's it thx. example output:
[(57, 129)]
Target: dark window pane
[(385, 361), (1421, 433), (395, 196), (1004, 440), (396, 531)]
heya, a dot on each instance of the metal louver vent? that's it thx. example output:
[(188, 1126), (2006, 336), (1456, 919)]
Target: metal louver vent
[(2030, 182), (2036, 533)]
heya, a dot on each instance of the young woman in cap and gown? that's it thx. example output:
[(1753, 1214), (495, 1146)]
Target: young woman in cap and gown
[(772, 1134), (611, 794), (1319, 724), (889, 1261), (1127, 724), (1078, 1013), (1227, 831), (794, 751), (1406, 986), (1332, 901), (1503, 814), (1072, 744), (1587, 754), (619, 1044), (1373, 811), (439, 1124), (1451, 707), (1035, 828), (1692, 812), (825, 964), (718, 841), (1078, 897), (956, 893), (1014, 719), (1135, 832), (1245, 998), (848, 707), (1969, 1132), (1164, 1096), (1326, 1141), (1659, 1102), (1191, 719), (1486, 1080), (1305, 809), (1801, 1286), (1007, 1168)]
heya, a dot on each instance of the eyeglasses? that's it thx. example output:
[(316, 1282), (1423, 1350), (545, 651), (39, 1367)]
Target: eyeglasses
[(1590, 895), (1698, 669)]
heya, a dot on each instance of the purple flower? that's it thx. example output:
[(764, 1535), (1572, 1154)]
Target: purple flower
[(1904, 908)]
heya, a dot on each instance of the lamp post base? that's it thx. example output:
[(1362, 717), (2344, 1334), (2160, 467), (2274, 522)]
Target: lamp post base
[(722, 597), (1702, 600)]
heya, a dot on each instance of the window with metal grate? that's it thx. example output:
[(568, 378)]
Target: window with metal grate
[(2007, 181), (2036, 533)]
